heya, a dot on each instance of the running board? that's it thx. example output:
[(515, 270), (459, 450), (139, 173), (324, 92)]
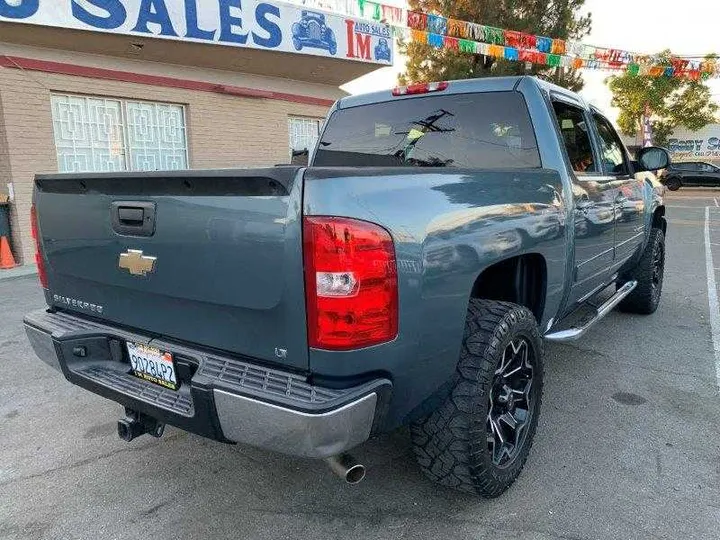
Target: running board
[(571, 334)]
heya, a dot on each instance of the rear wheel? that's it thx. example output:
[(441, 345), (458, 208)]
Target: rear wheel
[(478, 440), (649, 274)]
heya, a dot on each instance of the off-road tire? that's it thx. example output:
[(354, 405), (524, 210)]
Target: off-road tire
[(645, 298), (451, 444)]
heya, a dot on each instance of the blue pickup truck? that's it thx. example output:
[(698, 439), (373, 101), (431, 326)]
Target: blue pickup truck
[(408, 277)]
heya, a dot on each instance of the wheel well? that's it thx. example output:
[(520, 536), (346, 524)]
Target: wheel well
[(521, 280), (658, 221)]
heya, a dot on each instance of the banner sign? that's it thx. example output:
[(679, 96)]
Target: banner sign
[(698, 148), (253, 24)]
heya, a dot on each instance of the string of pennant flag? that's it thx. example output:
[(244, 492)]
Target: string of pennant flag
[(473, 38), (442, 32)]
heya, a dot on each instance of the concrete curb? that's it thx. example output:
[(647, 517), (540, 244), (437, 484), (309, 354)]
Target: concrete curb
[(18, 271)]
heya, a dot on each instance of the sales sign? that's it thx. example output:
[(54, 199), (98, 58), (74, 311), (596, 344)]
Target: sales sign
[(239, 23), (695, 148)]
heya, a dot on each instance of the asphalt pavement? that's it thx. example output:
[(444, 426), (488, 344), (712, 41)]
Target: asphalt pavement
[(627, 447)]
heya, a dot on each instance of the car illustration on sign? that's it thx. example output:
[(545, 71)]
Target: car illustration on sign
[(312, 31), (382, 50)]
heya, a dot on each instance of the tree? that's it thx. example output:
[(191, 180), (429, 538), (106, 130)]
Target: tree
[(673, 101), (551, 18)]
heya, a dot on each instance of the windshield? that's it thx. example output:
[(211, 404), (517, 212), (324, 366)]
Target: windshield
[(486, 130)]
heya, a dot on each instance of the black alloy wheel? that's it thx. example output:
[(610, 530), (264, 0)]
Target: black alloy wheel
[(658, 267), (512, 403)]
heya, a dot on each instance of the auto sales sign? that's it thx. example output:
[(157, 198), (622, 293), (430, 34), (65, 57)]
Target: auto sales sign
[(238, 23)]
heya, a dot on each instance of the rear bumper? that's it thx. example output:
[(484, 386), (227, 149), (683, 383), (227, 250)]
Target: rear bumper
[(220, 397)]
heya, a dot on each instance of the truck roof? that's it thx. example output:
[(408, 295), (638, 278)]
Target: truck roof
[(464, 86)]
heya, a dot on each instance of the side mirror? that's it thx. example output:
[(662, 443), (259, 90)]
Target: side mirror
[(653, 158)]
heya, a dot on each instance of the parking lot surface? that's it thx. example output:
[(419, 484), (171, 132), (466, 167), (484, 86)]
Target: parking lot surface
[(628, 444)]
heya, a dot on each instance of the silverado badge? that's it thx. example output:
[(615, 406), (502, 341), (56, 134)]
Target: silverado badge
[(136, 263)]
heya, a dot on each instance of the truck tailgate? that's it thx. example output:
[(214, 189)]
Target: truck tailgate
[(207, 257)]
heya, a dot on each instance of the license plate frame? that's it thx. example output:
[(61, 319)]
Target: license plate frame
[(152, 364)]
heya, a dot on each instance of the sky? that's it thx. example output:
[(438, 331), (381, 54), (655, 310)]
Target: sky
[(687, 27)]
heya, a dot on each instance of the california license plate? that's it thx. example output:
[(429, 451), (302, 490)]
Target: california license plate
[(152, 364)]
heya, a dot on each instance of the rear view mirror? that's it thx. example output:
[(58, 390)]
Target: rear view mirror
[(653, 158)]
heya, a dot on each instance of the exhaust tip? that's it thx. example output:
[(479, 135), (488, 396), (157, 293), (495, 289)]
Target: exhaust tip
[(347, 468), (355, 474), (124, 430)]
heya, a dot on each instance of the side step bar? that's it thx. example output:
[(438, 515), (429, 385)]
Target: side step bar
[(571, 334)]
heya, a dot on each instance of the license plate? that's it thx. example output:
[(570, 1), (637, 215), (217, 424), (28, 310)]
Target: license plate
[(152, 364)]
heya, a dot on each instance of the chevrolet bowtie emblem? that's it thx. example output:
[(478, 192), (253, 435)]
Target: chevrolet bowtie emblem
[(136, 263)]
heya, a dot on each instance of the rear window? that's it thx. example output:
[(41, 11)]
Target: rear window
[(489, 130)]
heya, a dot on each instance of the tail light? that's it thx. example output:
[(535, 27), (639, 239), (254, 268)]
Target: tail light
[(350, 283), (419, 88), (39, 261)]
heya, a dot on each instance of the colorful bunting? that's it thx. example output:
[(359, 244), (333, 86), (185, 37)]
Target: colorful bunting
[(511, 53), (467, 46), (437, 24), (558, 46), (452, 43), (435, 40), (497, 51), (417, 21), (553, 60), (544, 44), (475, 38), (494, 36), (457, 28), (392, 15), (476, 32), (418, 36)]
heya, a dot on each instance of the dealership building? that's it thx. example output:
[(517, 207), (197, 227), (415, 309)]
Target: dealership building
[(128, 85)]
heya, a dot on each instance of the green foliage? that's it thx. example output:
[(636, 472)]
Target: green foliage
[(551, 18), (674, 102)]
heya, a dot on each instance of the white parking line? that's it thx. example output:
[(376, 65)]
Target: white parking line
[(713, 303), (716, 203)]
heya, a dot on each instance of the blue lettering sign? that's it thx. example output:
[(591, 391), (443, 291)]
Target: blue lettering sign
[(228, 20), (154, 11), (713, 143), (193, 30), (115, 13), (26, 8), (273, 29)]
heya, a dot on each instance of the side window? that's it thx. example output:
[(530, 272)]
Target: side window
[(575, 135), (704, 167), (613, 154)]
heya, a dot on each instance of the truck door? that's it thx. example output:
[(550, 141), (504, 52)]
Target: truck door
[(629, 200), (594, 200)]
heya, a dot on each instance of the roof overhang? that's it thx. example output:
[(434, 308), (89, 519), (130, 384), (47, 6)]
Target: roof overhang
[(316, 69)]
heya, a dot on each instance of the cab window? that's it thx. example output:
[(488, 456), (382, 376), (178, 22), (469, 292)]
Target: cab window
[(574, 130), (611, 147)]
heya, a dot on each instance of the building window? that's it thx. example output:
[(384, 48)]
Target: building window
[(94, 134), (304, 134)]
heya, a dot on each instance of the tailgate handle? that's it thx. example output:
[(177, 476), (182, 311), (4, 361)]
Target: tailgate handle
[(133, 218), (130, 216)]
